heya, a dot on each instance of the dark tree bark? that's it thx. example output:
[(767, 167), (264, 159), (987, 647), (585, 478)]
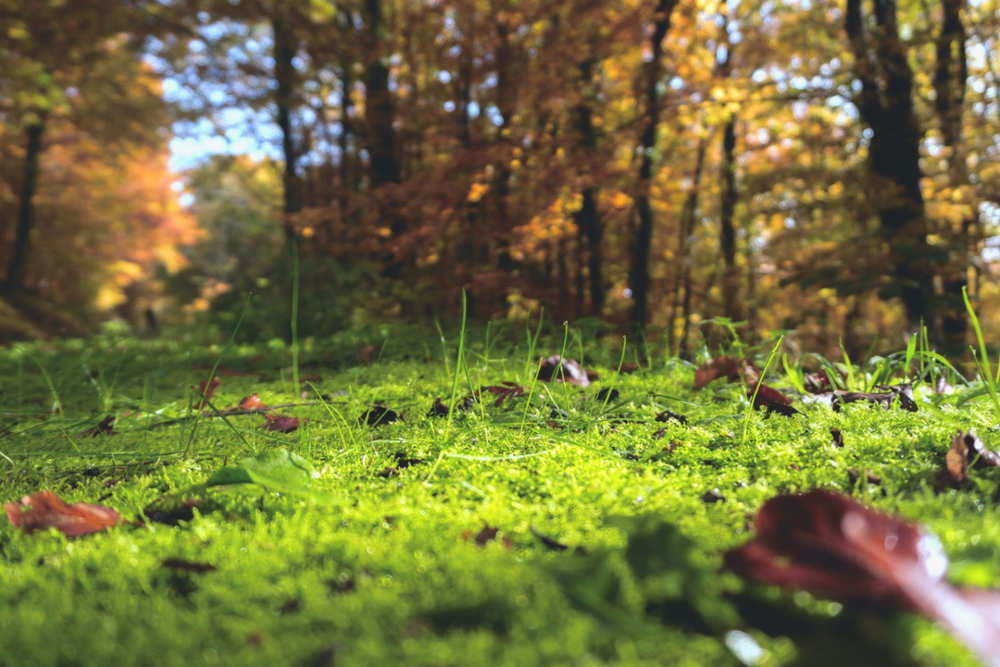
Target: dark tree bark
[(16, 268), (639, 270), (505, 105), (886, 105), (344, 140), (588, 219), (380, 112), (682, 281), (950, 74), (727, 226), (285, 47)]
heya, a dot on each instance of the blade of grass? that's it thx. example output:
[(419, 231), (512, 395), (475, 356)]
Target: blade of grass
[(753, 398)]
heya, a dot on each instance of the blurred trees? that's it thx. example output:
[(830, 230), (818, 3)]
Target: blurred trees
[(830, 166), (82, 140)]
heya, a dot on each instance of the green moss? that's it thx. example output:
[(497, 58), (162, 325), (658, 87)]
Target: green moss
[(379, 562)]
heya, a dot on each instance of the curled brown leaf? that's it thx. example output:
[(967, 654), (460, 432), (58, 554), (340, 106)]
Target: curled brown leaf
[(45, 509)]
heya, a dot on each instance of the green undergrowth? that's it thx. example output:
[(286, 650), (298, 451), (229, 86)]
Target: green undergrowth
[(380, 549)]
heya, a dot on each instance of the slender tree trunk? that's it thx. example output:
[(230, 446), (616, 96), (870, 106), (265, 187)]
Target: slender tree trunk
[(343, 141), (588, 218), (380, 112), (727, 226), (16, 268), (689, 216), (886, 105), (285, 47), (505, 104), (950, 74), (639, 270)]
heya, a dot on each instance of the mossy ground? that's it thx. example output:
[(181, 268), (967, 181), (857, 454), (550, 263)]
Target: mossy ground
[(380, 565)]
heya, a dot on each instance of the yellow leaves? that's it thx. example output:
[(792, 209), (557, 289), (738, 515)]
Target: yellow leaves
[(520, 307), (476, 192), (836, 190), (384, 232)]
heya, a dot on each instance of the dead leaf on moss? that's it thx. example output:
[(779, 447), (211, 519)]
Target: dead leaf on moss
[(830, 544), (568, 371), (44, 509), (280, 423)]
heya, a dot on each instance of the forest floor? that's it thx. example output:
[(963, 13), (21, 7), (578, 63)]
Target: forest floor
[(548, 523)]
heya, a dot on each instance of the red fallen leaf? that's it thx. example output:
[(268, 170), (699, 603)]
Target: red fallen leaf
[(967, 451), (773, 400), (187, 565), (728, 367), (205, 390), (252, 402), (45, 510), (503, 392), (280, 423), (570, 371), (830, 544)]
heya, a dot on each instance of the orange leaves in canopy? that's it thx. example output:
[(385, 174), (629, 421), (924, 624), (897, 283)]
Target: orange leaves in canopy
[(45, 510)]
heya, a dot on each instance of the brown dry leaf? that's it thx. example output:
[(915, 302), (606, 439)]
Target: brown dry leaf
[(252, 402), (104, 427), (772, 400), (505, 390), (830, 544), (570, 371), (967, 451), (205, 390), (728, 367), (280, 423), (45, 510)]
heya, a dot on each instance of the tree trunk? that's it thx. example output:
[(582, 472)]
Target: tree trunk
[(285, 47), (16, 269), (343, 142), (380, 112), (588, 219), (886, 105), (639, 270), (689, 216), (727, 226), (505, 105), (950, 74)]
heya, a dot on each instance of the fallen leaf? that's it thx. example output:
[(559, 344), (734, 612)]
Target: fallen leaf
[(485, 535), (830, 544), (628, 367), (967, 451), (550, 542), (378, 415), (439, 409), (772, 400), (252, 402), (205, 390), (838, 437), (505, 390), (568, 371), (45, 510), (403, 461), (902, 393), (667, 415), (608, 394), (104, 427), (280, 423), (728, 367), (816, 383)]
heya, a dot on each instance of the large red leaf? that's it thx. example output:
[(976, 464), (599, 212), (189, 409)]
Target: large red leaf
[(728, 367), (828, 543), (45, 510)]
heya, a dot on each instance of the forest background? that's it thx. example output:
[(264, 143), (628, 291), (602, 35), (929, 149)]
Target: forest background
[(828, 167)]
